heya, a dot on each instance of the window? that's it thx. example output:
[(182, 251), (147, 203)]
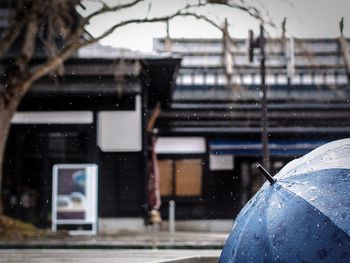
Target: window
[(307, 79), (210, 79), (180, 178), (166, 174), (281, 79), (186, 79), (222, 80), (198, 79), (188, 177)]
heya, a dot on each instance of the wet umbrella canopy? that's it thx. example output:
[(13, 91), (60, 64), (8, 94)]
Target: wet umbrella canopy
[(302, 217)]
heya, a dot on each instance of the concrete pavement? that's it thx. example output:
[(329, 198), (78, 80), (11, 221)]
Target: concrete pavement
[(107, 255), (147, 240)]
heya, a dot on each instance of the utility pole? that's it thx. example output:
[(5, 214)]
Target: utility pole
[(167, 41), (227, 56), (287, 52), (344, 48), (260, 43)]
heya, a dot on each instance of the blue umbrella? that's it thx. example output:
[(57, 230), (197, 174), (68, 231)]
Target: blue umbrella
[(299, 215)]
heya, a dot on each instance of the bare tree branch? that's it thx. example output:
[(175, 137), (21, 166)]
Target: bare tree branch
[(105, 9), (9, 37), (75, 40), (78, 42), (152, 20), (62, 34), (19, 71), (17, 90), (186, 11), (28, 46), (11, 34), (51, 64), (250, 10)]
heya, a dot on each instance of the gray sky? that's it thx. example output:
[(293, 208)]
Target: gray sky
[(305, 18)]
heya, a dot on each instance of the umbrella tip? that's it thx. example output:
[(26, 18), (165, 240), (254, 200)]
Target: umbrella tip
[(267, 175)]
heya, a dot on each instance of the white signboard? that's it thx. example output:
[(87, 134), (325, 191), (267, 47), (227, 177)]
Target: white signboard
[(74, 198), (166, 145), (221, 162)]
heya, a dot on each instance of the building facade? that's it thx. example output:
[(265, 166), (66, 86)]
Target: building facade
[(210, 137), (208, 131), (95, 113)]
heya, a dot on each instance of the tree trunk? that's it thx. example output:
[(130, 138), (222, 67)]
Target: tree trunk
[(7, 110), (18, 83)]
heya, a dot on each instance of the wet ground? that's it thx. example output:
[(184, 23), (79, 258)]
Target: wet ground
[(160, 240), (105, 255)]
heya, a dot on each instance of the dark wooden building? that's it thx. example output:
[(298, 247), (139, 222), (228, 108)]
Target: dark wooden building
[(96, 112)]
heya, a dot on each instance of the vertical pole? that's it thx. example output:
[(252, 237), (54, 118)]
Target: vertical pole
[(171, 213), (146, 141), (167, 41), (286, 51), (227, 61), (172, 217), (344, 47), (291, 62), (264, 134)]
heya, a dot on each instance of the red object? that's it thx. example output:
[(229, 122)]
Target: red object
[(154, 201)]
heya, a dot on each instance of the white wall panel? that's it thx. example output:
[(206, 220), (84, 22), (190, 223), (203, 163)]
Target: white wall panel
[(53, 117), (180, 145), (120, 131)]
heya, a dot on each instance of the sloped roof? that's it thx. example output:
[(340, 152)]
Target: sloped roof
[(104, 69), (98, 50)]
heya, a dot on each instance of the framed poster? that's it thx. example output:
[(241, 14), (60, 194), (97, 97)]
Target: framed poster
[(74, 198)]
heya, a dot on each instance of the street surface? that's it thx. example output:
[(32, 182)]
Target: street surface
[(100, 255)]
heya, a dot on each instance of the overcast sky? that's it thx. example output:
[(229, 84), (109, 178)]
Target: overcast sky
[(305, 18)]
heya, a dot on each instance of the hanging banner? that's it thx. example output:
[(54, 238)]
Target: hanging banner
[(74, 198)]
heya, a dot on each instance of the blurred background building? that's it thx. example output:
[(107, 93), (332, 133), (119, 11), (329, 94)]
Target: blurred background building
[(210, 137), (208, 132), (96, 112)]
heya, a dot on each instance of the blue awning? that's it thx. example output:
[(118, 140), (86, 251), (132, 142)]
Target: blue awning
[(254, 148)]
